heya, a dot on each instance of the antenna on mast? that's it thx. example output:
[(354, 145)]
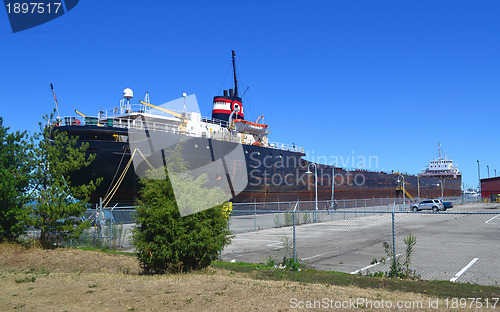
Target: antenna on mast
[(439, 150), (234, 72), (55, 100), (184, 95), (245, 91)]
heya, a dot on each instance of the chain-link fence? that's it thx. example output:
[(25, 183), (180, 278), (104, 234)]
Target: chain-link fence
[(460, 244), (109, 228), (353, 236), (277, 214)]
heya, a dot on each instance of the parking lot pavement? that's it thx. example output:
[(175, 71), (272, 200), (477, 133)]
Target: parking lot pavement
[(461, 247)]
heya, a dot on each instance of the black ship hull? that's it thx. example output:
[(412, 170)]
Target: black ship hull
[(273, 174)]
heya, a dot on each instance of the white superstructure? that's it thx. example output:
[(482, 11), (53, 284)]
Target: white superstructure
[(443, 166), (192, 124)]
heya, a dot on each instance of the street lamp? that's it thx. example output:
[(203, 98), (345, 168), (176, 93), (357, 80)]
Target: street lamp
[(418, 187), (315, 181), (333, 185), (404, 197), (479, 177), (441, 182)]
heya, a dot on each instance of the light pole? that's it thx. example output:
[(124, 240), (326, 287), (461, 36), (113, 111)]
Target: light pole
[(404, 197), (441, 183), (333, 186), (479, 177), (418, 187), (315, 182), (488, 167)]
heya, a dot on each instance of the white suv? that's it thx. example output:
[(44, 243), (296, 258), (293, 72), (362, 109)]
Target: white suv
[(429, 204)]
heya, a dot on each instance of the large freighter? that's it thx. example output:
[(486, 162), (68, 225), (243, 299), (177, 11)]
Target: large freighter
[(274, 170)]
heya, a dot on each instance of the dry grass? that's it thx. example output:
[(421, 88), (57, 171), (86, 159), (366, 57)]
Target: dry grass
[(77, 280), (17, 257)]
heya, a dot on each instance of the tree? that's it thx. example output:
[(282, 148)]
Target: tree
[(167, 242), (58, 205), (15, 166)]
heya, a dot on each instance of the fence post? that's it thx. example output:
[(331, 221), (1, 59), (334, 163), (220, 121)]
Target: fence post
[(393, 233), (294, 243), (255, 214), (95, 229), (298, 207), (111, 230), (101, 216), (96, 217), (279, 223), (332, 210)]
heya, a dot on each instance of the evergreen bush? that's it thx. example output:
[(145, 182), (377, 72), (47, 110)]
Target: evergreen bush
[(168, 243)]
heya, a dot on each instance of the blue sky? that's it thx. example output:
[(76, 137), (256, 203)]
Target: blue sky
[(388, 79)]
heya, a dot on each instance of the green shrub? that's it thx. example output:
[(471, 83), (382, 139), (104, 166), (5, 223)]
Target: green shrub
[(399, 267), (288, 261), (167, 242)]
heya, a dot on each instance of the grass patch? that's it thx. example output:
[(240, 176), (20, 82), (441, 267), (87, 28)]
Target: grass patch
[(108, 251), (441, 289), (241, 267), (31, 279)]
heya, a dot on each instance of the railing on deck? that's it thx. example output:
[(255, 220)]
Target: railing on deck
[(224, 135)]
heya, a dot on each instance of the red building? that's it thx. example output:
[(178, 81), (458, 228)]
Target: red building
[(490, 187)]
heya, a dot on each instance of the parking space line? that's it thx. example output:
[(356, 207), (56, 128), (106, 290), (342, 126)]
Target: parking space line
[(317, 255), (454, 278), (492, 219), (276, 244), (372, 265), (253, 240)]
